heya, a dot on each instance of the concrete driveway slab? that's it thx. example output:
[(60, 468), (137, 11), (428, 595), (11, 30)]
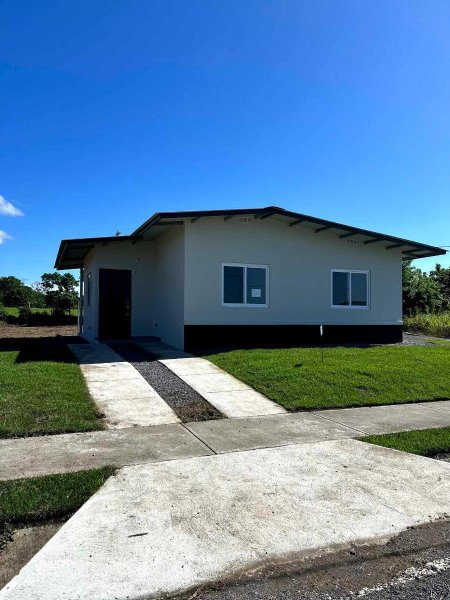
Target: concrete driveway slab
[(190, 366), (441, 405), (135, 412), (94, 353), (132, 387), (234, 435), (232, 397), (121, 393), (161, 350), (169, 527), (107, 372), (215, 382), (243, 403), (388, 419), (77, 451)]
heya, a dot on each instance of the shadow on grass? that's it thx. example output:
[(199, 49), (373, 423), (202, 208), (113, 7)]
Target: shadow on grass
[(42, 349)]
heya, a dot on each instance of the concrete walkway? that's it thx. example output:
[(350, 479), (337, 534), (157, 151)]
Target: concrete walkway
[(233, 435), (169, 527), (44, 455), (229, 395), (120, 392), (71, 452)]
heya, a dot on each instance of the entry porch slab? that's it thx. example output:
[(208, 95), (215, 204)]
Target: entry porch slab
[(168, 527)]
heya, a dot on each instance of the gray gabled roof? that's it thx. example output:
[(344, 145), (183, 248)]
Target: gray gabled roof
[(72, 252), (295, 218)]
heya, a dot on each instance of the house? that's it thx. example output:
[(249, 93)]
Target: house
[(246, 277)]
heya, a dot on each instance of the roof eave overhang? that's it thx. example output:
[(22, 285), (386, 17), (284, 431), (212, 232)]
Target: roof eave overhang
[(408, 248), (84, 245)]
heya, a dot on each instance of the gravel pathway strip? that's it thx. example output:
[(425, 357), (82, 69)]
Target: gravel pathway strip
[(185, 401)]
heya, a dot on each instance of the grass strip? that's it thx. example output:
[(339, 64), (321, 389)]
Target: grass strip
[(297, 378), (426, 442), (36, 499), (42, 390), (40, 499)]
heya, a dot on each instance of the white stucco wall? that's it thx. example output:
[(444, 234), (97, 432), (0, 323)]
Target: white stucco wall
[(177, 277), (300, 263), (139, 259), (169, 260)]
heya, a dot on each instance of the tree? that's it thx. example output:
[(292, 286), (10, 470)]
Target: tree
[(37, 296), (14, 292), (421, 293), (442, 277), (60, 291)]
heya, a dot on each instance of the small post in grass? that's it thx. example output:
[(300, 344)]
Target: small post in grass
[(321, 340)]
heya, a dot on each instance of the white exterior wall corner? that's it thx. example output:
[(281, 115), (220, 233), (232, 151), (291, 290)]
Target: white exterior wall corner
[(90, 319), (169, 253), (300, 263)]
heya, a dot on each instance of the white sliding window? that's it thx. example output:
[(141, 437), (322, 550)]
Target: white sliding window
[(244, 285), (349, 289)]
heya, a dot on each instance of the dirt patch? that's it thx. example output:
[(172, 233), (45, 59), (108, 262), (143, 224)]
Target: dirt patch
[(341, 574), (445, 456), (23, 546), (22, 331)]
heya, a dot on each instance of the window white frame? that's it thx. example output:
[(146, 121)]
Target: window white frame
[(245, 266), (349, 289)]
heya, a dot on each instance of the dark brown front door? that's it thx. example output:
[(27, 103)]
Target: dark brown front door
[(114, 304)]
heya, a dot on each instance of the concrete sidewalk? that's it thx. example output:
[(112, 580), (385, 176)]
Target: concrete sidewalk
[(138, 445), (45, 455), (170, 527), (233, 435)]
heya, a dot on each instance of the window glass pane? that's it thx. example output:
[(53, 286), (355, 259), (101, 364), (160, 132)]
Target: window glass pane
[(359, 289), (233, 285), (256, 285), (340, 289)]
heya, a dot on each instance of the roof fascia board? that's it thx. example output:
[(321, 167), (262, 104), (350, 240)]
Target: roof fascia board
[(299, 217), (358, 231), (90, 243)]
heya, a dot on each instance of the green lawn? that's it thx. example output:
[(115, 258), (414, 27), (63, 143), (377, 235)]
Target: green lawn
[(13, 311), (48, 497), (427, 442), (297, 378), (42, 390), (39, 499)]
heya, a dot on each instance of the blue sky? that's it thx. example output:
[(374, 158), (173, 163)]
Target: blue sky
[(113, 110)]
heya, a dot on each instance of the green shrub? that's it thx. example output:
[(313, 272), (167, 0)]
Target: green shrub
[(3, 313), (37, 317), (437, 325), (24, 315)]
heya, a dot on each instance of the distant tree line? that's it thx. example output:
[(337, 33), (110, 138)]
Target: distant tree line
[(425, 292), (55, 291)]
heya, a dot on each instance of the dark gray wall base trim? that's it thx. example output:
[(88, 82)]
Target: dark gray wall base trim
[(199, 337)]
